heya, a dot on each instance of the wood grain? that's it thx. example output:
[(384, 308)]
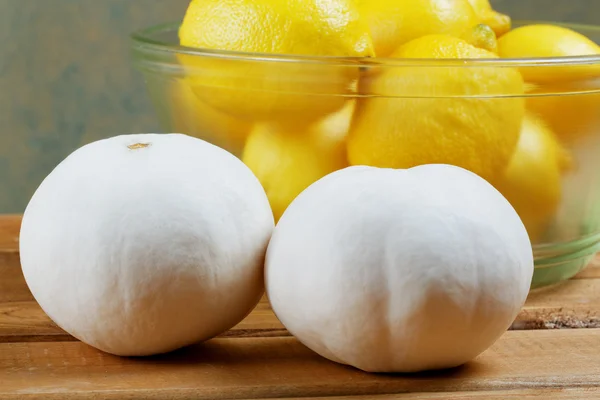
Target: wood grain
[(570, 304), (562, 393), (26, 322), (12, 283), (238, 368), (9, 232)]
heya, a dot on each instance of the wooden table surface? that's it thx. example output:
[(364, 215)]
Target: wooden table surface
[(552, 351)]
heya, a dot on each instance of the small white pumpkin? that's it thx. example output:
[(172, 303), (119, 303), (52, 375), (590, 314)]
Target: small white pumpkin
[(399, 270), (141, 244)]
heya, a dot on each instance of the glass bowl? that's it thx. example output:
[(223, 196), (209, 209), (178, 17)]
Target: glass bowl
[(230, 99)]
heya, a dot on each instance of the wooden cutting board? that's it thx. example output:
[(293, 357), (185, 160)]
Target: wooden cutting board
[(552, 351)]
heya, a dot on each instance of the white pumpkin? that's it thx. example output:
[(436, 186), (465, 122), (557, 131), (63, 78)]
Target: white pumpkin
[(141, 244), (399, 270)]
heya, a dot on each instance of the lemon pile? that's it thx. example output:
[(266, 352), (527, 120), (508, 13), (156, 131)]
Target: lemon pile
[(294, 120)]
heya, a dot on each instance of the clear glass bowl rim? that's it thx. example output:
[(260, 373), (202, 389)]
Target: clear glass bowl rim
[(145, 43)]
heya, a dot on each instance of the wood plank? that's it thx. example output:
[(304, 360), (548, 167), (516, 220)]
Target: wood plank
[(26, 322), (570, 304), (561, 394), (243, 368), (12, 283), (9, 232), (527, 394)]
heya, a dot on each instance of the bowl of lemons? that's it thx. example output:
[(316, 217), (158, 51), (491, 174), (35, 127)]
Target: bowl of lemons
[(299, 89)]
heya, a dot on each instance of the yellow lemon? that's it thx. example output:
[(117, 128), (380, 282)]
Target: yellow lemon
[(441, 114), (187, 114), (263, 89), (532, 181), (566, 97), (482, 36), (288, 159), (571, 109), (549, 41), (395, 22), (499, 22)]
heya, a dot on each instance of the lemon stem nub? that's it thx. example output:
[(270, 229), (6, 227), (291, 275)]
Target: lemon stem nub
[(137, 146)]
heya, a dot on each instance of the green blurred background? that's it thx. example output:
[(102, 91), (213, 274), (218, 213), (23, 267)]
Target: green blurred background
[(66, 79)]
